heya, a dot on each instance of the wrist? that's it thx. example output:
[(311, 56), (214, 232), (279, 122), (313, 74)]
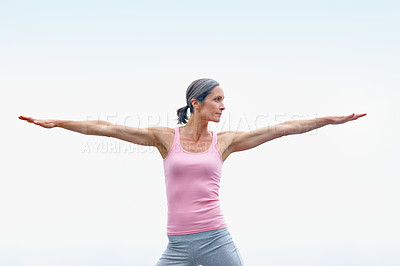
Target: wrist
[(327, 120), (58, 123)]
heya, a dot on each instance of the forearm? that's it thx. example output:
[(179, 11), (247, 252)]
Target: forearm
[(302, 126), (90, 127)]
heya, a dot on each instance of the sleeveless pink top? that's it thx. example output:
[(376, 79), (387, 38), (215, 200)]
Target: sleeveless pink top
[(192, 184)]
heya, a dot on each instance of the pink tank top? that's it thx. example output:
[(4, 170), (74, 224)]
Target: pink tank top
[(192, 184)]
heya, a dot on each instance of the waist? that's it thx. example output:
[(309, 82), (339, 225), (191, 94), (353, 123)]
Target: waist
[(195, 221), (199, 235)]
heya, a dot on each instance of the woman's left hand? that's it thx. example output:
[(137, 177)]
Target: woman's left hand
[(343, 119)]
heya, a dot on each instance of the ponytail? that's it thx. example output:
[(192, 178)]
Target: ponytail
[(182, 115)]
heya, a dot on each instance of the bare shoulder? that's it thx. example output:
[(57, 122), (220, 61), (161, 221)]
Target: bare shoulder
[(226, 139), (228, 136), (162, 130), (164, 137)]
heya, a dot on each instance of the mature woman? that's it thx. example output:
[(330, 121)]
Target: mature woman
[(193, 158)]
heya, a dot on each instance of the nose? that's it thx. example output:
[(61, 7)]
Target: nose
[(222, 107)]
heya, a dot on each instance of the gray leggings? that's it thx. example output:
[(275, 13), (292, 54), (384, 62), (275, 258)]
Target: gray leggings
[(209, 248)]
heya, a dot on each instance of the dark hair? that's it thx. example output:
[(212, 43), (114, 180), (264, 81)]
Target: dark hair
[(198, 89)]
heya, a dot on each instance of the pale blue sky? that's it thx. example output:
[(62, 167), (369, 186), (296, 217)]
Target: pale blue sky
[(328, 197)]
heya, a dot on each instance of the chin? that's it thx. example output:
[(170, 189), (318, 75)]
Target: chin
[(214, 119)]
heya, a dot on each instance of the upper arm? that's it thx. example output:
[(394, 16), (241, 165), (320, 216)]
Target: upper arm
[(142, 136), (242, 140)]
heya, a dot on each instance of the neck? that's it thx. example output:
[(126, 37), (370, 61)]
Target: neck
[(196, 127)]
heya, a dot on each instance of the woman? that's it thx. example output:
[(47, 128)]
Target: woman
[(193, 158)]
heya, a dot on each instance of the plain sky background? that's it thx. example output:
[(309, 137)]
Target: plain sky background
[(329, 197)]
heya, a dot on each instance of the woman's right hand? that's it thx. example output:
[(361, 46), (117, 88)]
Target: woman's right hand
[(49, 123)]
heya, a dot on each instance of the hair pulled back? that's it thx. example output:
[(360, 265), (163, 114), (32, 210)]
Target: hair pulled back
[(198, 89)]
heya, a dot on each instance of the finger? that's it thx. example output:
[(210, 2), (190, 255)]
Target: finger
[(22, 117), (358, 116), (28, 119)]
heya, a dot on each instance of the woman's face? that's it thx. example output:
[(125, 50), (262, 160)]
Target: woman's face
[(212, 107)]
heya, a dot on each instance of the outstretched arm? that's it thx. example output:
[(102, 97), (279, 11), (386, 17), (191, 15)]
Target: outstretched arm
[(302, 126), (241, 141), (90, 127), (141, 136)]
